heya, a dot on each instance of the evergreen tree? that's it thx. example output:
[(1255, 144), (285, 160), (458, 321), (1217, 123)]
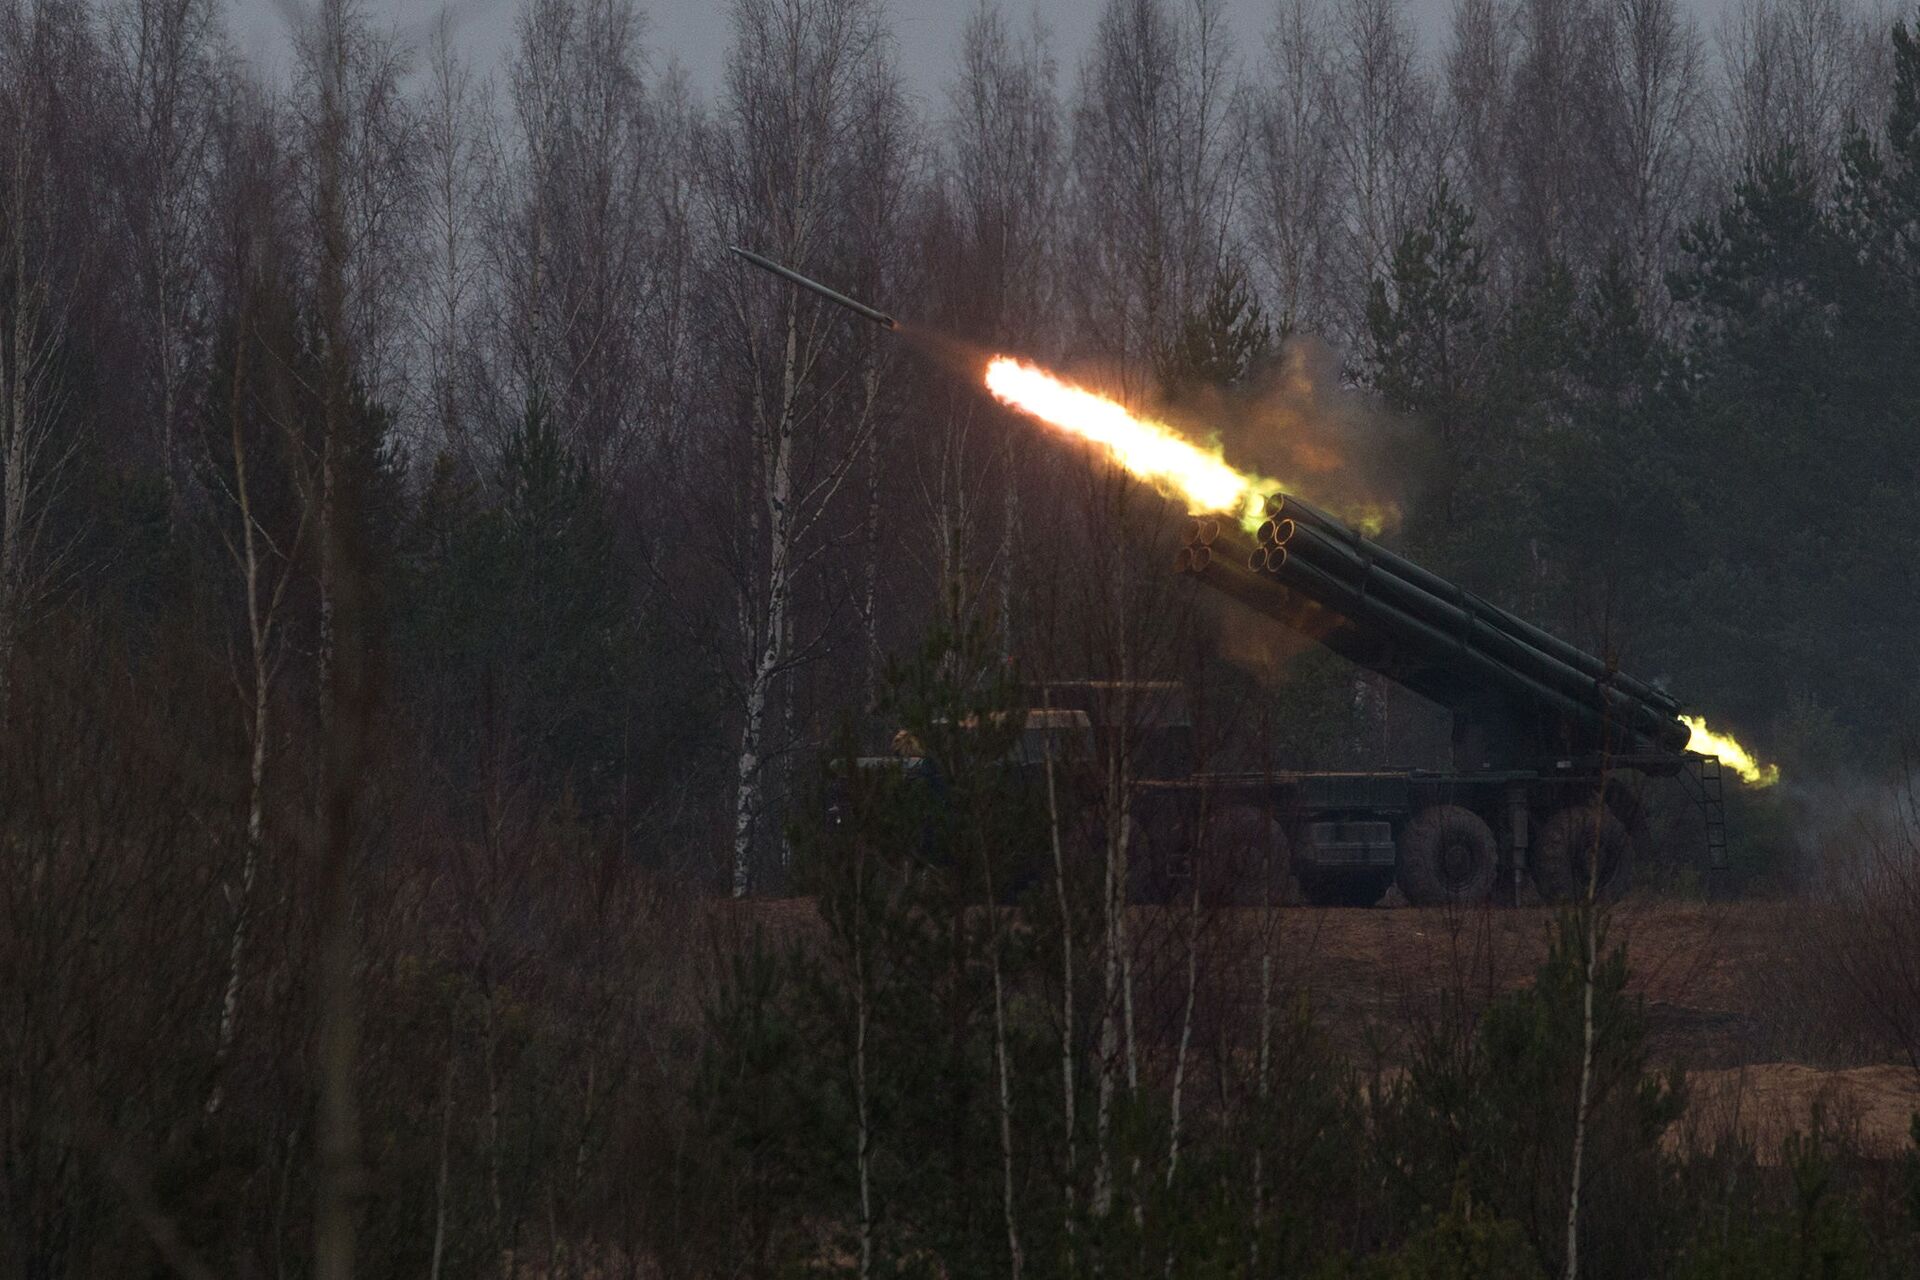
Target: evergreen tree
[(518, 622), (1503, 1115), (915, 1039), (1612, 475), (1816, 1235), (1428, 330), (1796, 421), (1223, 343)]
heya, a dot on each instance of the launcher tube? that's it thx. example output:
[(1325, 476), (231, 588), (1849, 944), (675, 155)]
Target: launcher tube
[(1464, 629), (1377, 613), (1309, 516)]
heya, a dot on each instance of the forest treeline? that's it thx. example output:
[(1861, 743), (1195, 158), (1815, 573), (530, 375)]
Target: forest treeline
[(1626, 310), (431, 568)]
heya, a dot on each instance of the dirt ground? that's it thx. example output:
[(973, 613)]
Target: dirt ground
[(1764, 1103), (1711, 975), (1702, 968)]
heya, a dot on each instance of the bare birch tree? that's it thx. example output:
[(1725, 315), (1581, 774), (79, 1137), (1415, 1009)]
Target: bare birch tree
[(1792, 71), (591, 233), (38, 43), (781, 161), (1157, 167), (1590, 928), (162, 55), (991, 252), (250, 169), (454, 164), (1004, 172), (1156, 170), (1384, 149), (356, 157), (356, 169), (265, 571), (1290, 189), (1551, 138), (599, 162), (1655, 69), (1479, 61)]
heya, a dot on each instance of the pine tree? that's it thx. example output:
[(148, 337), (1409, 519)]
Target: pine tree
[(515, 607), (1428, 331), (1503, 1116), (1222, 344)]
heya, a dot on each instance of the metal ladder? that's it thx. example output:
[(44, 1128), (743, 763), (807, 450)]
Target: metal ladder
[(1713, 807)]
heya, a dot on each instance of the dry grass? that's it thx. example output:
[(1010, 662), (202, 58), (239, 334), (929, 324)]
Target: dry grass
[(1761, 1104), (1710, 974)]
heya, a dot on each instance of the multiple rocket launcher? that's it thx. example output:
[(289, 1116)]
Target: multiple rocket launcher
[(1317, 575)]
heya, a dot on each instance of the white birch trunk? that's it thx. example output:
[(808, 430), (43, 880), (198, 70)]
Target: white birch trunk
[(870, 588), (441, 1177), (1117, 1048), (14, 494), (863, 1150), (1009, 541), (169, 398), (1186, 1040), (863, 1121), (22, 423), (240, 895), (1263, 1063), (490, 1064), (1109, 1049), (777, 459), (262, 609), (1588, 1032), (1015, 1258), (1066, 980)]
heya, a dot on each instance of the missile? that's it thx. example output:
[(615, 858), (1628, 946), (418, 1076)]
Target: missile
[(880, 318)]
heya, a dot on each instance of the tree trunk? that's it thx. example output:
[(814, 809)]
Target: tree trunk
[(778, 463), (444, 1168), (1066, 983), (1588, 1034), (20, 424), (863, 1139)]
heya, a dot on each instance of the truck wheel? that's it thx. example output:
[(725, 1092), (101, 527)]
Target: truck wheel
[(1248, 862), (1561, 853), (1448, 858)]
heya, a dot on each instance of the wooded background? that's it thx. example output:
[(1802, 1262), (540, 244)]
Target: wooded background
[(415, 525)]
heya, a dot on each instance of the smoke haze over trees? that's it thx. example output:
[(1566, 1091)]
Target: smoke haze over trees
[(432, 570)]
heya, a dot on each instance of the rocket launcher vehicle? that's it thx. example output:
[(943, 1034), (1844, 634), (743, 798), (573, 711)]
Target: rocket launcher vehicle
[(1519, 694)]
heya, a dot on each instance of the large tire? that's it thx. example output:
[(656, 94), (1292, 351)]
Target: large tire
[(1448, 858), (1360, 887), (1246, 860), (1561, 852), (1629, 805)]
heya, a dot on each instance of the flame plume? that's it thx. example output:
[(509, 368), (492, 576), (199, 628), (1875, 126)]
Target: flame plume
[(1206, 482), (1151, 450), (1729, 752)]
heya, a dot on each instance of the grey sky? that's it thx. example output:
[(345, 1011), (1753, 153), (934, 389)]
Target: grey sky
[(694, 32)]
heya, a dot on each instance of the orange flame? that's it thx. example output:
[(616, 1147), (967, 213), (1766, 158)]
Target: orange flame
[(1729, 752), (1151, 450)]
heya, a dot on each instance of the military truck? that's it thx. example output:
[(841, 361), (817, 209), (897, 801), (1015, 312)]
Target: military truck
[(1550, 742), (1554, 749)]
